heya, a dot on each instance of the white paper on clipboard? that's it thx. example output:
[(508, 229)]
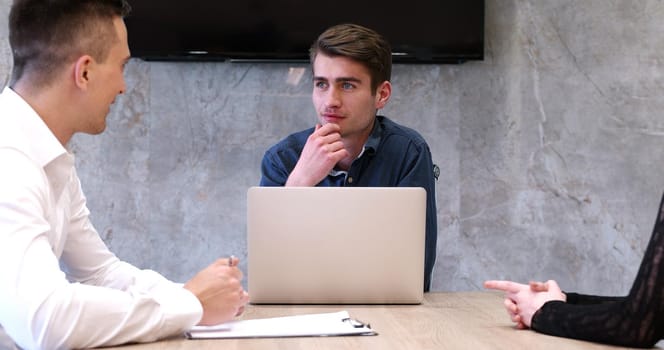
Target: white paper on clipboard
[(310, 325)]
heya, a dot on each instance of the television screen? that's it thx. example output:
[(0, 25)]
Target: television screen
[(420, 31)]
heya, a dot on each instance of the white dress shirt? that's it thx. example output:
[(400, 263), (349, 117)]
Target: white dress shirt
[(60, 286)]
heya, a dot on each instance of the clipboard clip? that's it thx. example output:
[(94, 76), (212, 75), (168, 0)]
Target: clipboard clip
[(356, 323)]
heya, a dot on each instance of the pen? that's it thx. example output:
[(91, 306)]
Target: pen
[(231, 261)]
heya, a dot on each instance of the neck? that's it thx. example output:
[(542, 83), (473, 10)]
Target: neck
[(354, 145), (353, 151)]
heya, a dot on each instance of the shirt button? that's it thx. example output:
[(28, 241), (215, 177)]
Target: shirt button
[(350, 180)]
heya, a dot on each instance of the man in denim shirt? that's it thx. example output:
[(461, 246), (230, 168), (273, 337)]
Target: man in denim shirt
[(351, 145)]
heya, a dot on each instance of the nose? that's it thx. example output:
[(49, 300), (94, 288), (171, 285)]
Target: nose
[(333, 98)]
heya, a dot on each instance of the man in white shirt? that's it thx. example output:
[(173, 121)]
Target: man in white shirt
[(60, 286)]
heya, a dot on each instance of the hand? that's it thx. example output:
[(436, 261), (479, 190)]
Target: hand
[(323, 150), (219, 290), (523, 300), (240, 311)]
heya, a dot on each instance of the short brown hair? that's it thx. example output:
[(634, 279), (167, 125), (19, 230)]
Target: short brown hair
[(45, 34), (360, 44)]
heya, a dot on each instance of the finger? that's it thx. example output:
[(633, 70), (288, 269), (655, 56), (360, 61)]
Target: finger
[(244, 299), (335, 146), (220, 262), (510, 305), (240, 311), (327, 129), (506, 286), (512, 310), (338, 155), (552, 285), (332, 141), (230, 261)]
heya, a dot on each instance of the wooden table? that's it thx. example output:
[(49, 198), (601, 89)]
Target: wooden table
[(468, 320)]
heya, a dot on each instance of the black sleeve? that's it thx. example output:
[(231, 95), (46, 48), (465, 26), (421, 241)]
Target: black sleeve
[(584, 299), (636, 320)]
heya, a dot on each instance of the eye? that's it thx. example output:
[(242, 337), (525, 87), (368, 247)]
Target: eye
[(320, 84), (347, 86)]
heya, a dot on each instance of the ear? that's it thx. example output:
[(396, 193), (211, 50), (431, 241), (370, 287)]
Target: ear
[(83, 71), (383, 93)]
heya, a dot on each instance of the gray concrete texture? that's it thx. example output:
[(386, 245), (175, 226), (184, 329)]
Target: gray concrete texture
[(549, 149)]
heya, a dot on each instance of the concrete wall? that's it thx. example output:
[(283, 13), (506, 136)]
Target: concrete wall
[(550, 148)]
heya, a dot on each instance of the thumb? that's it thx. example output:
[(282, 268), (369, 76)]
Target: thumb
[(539, 286)]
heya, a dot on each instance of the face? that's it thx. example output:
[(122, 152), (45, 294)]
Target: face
[(342, 95), (106, 81)]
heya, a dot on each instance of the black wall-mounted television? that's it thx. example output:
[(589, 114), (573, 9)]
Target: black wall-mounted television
[(420, 31)]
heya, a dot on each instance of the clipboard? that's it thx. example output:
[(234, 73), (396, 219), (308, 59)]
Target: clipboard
[(310, 325)]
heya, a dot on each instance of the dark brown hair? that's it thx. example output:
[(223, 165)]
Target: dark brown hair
[(46, 34), (360, 44)]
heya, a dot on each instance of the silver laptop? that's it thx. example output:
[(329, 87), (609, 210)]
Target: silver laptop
[(336, 245)]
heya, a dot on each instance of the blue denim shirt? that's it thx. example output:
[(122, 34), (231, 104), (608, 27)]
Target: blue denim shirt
[(393, 156)]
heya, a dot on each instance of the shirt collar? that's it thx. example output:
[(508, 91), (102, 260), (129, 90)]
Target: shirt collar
[(369, 147), (26, 131), (373, 141)]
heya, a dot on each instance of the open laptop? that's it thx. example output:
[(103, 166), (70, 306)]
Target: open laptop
[(336, 245)]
